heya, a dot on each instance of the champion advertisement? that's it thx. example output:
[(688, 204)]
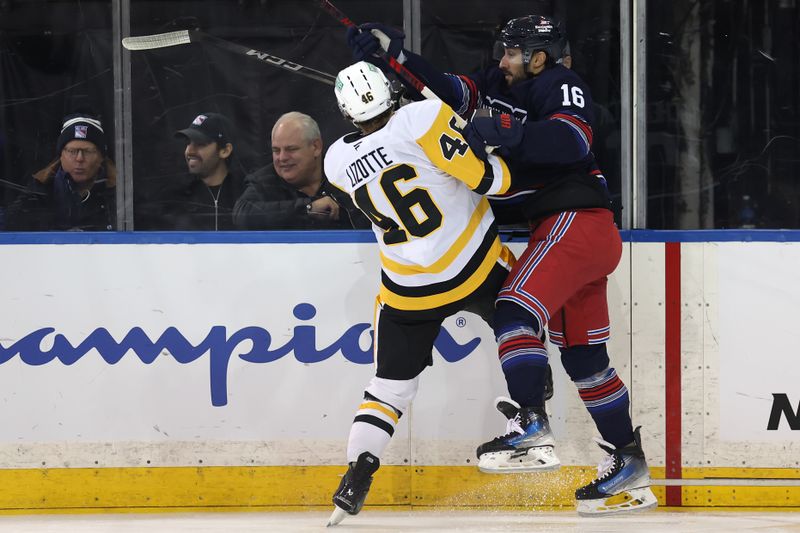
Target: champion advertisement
[(166, 344), (258, 353), (219, 345)]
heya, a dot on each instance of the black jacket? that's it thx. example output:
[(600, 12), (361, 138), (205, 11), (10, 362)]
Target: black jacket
[(198, 207), (51, 202), (268, 202)]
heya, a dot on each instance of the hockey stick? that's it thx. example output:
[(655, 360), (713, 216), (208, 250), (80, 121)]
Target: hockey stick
[(398, 67), (177, 38)]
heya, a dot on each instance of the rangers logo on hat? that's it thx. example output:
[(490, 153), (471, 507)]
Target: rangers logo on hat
[(208, 127), (79, 126)]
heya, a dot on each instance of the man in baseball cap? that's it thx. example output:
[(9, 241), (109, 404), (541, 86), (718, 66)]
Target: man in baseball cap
[(206, 203), (208, 127)]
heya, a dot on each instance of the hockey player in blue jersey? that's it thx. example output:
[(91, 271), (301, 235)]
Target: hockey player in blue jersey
[(537, 114)]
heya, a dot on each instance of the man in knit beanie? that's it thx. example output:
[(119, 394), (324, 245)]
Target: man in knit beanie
[(84, 129), (76, 191), (82, 146)]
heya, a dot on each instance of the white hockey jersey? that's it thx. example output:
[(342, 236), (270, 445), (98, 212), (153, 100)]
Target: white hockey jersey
[(421, 186)]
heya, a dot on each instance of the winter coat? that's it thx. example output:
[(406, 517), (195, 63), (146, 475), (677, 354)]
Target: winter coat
[(268, 202), (52, 202), (198, 207)]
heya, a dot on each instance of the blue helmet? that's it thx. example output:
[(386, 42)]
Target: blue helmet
[(530, 34)]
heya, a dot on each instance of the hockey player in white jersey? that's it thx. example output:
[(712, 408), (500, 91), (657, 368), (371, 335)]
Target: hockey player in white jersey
[(415, 177)]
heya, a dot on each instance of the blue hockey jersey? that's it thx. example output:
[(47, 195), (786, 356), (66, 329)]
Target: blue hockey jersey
[(553, 169)]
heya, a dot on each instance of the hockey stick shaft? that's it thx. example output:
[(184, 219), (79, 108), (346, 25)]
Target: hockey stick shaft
[(398, 67), (177, 38)]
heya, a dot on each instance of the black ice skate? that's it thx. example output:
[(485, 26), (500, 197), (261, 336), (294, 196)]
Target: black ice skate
[(622, 483), (548, 384), (349, 497), (527, 446)]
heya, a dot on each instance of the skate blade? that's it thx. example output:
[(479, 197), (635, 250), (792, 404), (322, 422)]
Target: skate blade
[(634, 500), (539, 460), (336, 516)]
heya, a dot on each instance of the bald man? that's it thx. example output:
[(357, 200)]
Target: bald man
[(292, 192)]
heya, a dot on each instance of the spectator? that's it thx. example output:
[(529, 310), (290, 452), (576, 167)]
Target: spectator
[(77, 190), (291, 193), (206, 201)]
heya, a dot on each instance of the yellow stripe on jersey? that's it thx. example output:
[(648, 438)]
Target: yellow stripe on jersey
[(464, 166), (378, 407), (507, 257), (447, 258), (417, 303)]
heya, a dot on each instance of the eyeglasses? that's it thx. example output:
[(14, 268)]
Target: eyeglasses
[(85, 152)]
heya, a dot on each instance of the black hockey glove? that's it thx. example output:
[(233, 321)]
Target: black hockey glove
[(501, 130), (364, 43)]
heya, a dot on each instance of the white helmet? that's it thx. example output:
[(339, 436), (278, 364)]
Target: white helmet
[(363, 92)]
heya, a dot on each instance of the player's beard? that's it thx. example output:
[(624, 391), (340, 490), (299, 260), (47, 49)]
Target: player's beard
[(514, 72), (514, 77)]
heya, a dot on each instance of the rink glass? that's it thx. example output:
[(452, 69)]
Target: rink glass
[(697, 106)]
